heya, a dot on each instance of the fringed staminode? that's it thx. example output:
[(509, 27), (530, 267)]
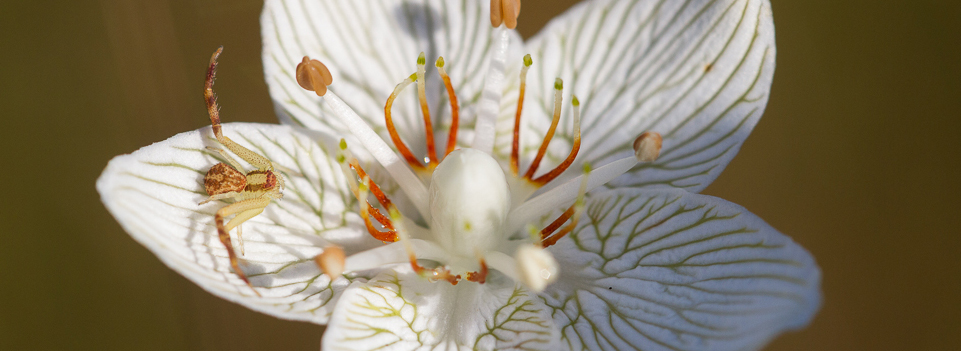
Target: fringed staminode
[(548, 235), (454, 107)]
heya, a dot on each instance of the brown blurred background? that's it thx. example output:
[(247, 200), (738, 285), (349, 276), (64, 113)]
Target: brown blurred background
[(857, 158)]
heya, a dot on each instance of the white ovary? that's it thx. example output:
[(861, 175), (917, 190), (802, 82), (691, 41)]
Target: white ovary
[(469, 203)]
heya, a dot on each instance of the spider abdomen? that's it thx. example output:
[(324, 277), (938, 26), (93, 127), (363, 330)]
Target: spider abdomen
[(221, 178)]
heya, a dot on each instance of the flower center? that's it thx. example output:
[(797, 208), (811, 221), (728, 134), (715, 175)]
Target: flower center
[(469, 203), (472, 205)]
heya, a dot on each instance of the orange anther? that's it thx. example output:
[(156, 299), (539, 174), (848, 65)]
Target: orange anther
[(506, 12)]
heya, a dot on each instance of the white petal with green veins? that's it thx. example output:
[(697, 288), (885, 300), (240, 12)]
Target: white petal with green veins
[(154, 194), (699, 72), (371, 46), (670, 270), (398, 310)]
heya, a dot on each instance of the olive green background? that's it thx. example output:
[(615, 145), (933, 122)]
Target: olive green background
[(857, 158)]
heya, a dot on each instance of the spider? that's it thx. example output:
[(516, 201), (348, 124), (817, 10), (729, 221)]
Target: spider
[(252, 192)]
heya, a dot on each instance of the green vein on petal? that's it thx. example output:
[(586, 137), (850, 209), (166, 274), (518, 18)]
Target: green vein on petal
[(154, 194), (677, 270), (400, 310), (698, 72)]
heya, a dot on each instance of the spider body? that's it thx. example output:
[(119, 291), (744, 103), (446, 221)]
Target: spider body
[(251, 191), (223, 179), (226, 179)]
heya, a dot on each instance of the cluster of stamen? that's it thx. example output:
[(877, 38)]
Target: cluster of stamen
[(313, 75)]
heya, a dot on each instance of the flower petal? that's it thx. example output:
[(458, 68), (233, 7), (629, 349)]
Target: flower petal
[(671, 270), (697, 72), (371, 46), (154, 194), (398, 310)]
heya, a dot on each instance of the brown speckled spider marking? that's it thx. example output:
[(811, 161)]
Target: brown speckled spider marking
[(251, 192)]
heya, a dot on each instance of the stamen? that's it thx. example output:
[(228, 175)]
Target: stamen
[(331, 261), (647, 146), (558, 89), (515, 146), (497, 18), (532, 209), (401, 147), (421, 95), (454, 107), (395, 253), (490, 102), (537, 267), (314, 76), (506, 12), (544, 179), (409, 182)]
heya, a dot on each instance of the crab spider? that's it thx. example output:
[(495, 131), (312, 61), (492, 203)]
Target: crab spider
[(251, 192)]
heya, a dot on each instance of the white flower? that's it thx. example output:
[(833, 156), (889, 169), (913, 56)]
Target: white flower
[(646, 262)]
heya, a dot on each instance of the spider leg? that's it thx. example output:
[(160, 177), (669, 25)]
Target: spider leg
[(244, 210), (240, 238), (239, 219), (251, 157), (217, 197), (230, 160)]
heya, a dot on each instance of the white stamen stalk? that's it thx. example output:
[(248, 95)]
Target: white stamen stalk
[(402, 174), (490, 102), (565, 194), (646, 148), (394, 254)]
